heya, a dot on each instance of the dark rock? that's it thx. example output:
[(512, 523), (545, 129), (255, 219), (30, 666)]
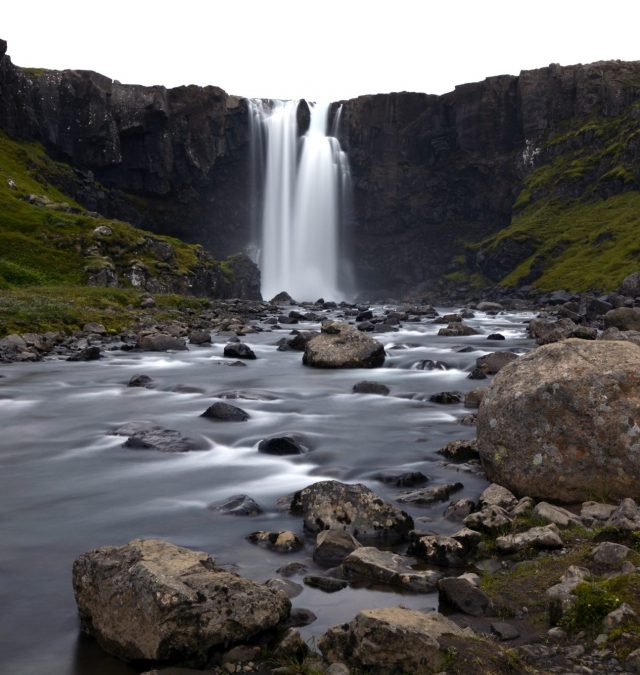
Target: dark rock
[(292, 569), (282, 298), (457, 330), (88, 354), (461, 450), (300, 617), (459, 510), (140, 381), (342, 346), (623, 318), (153, 601), (365, 315), (490, 364), (159, 342), (366, 387), (225, 412), (631, 285), (333, 546), (281, 445), (428, 364), (298, 342), (437, 549), (283, 541), (286, 586), (505, 631), (406, 479), (446, 397), (427, 496), (238, 505), (495, 336), (351, 508), (238, 350), (462, 595), (326, 584), (163, 440), (199, 337)]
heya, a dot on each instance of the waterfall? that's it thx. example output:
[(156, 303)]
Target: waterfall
[(304, 187)]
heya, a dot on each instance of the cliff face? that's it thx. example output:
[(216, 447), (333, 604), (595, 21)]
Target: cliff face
[(432, 174)]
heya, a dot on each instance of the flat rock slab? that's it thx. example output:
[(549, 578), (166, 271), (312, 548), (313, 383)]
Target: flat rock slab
[(430, 495), (536, 537), (341, 345), (331, 505), (372, 564), (464, 596), (151, 600)]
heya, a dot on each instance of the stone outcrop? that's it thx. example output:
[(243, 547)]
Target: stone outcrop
[(563, 422), (153, 601)]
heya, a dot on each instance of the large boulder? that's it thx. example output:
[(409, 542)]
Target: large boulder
[(623, 318), (151, 600), (331, 505), (340, 345), (160, 342), (389, 640), (563, 422), (631, 285)]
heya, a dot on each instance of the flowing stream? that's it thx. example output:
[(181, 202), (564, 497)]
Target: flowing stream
[(306, 182), (69, 486)]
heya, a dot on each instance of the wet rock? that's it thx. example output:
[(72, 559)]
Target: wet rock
[(609, 556), (160, 342), (558, 423), (365, 315), (473, 398), (343, 346), (238, 505), (200, 337), (535, 537), (282, 298), (246, 395), (428, 364), (298, 342), (460, 450), (623, 318), (372, 564), (162, 440), (493, 363), (292, 569), (446, 397), (560, 597), (626, 517), (460, 594), (326, 584), (497, 495), (290, 646), (153, 601), (437, 549), (504, 631), (490, 519), (448, 318), (333, 546), (459, 510), (389, 640), (238, 350), (283, 541), (495, 336), (300, 617), (403, 479), (457, 330), (140, 380), (556, 514), (430, 495), (87, 354), (331, 505), (286, 586), (366, 387), (225, 412), (281, 445), (595, 512), (545, 332)]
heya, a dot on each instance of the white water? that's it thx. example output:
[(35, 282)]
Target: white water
[(305, 181)]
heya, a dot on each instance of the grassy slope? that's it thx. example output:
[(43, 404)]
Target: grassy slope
[(585, 241), (43, 250)]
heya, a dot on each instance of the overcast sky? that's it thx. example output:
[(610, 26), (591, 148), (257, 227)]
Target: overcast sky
[(329, 49)]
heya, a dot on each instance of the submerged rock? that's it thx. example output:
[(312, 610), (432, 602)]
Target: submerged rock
[(366, 387), (151, 600), (331, 505), (341, 345), (283, 541), (140, 381), (237, 505), (389, 640), (281, 445), (426, 496), (457, 330), (163, 440), (238, 350), (326, 584), (563, 422)]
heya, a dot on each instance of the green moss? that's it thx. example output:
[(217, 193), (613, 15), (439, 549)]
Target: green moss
[(593, 602), (34, 72)]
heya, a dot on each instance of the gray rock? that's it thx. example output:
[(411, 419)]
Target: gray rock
[(473, 398), (238, 350), (609, 556), (618, 617), (505, 631), (91, 353), (153, 601), (367, 387), (389, 640), (630, 285), (238, 505), (616, 334), (556, 514), (290, 588), (292, 569), (333, 546), (595, 512), (283, 541), (160, 342), (623, 318), (457, 330), (626, 517), (340, 345), (490, 519), (326, 584), (497, 495), (331, 505), (225, 412), (545, 332), (140, 381), (555, 423), (162, 440), (460, 509), (493, 363), (200, 337), (430, 495), (372, 564), (462, 595), (94, 327), (523, 507), (560, 596), (535, 537)]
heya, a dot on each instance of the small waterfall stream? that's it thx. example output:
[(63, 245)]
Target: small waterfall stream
[(306, 182)]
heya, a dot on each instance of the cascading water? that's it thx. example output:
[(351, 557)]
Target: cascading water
[(305, 185)]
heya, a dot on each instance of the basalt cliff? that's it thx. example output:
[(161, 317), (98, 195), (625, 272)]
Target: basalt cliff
[(520, 180)]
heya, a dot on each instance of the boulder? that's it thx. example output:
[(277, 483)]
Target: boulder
[(238, 350), (340, 345), (535, 537), (437, 549), (457, 330), (94, 327), (473, 398), (281, 445), (140, 380), (389, 640), (160, 342), (563, 422), (283, 541), (459, 509), (464, 596), (560, 597), (385, 567), (497, 495), (225, 412), (366, 387), (545, 331), (609, 556), (623, 318), (151, 600), (355, 509), (490, 364), (626, 517), (401, 479), (630, 285), (333, 546), (490, 519), (237, 505), (556, 514), (200, 337), (617, 334), (592, 513)]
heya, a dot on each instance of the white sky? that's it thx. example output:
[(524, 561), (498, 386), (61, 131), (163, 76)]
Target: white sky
[(320, 50)]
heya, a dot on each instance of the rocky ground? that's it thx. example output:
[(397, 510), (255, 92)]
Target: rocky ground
[(540, 577)]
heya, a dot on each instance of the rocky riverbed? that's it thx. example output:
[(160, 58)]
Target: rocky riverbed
[(351, 491)]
